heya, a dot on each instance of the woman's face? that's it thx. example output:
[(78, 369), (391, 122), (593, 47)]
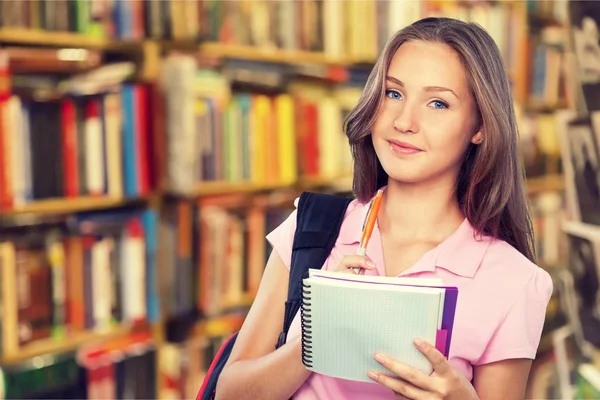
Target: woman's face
[(428, 115)]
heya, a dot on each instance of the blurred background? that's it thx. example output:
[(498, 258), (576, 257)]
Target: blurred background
[(147, 147)]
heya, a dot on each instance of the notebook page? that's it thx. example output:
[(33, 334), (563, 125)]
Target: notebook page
[(349, 324), (376, 279)]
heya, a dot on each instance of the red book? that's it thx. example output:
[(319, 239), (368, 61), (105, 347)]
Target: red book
[(69, 140), (311, 138), (142, 138)]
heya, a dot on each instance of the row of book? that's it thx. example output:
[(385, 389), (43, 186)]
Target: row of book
[(567, 363), (580, 152), (184, 364), (359, 29), (90, 272), (215, 251), (94, 271), (75, 146), (539, 144), (548, 214), (339, 29), (111, 19), (214, 133), (122, 368), (247, 121)]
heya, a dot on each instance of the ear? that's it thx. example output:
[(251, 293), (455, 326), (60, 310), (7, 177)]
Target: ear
[(477, 137)]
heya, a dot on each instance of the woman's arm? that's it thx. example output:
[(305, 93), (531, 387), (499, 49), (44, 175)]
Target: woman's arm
[(255, 370), (504, 380)]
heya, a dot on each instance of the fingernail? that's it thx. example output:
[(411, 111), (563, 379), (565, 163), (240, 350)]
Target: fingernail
[(371, 264), (379, 358), (419, 343), (374, 376)]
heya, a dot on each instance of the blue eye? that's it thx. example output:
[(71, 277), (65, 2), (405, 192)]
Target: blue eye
[(439, 105), (392, 94)]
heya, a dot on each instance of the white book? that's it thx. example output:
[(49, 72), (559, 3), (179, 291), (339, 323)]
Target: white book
[(346, 319)]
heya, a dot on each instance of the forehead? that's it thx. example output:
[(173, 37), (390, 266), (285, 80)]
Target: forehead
[(421, 63)]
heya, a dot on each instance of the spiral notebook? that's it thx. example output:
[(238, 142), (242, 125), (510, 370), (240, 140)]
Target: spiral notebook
[(346, 319)]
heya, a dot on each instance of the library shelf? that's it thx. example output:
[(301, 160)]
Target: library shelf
[(244, 301), (215, 188), (67, 343), (274, 55), (70, 205), (219, 325), (38, 37), (545, 183)]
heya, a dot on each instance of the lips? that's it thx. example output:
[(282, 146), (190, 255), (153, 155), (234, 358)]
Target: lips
[(403, 147)]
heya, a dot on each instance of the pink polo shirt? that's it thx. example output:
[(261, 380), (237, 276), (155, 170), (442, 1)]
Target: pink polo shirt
[(501, 304)]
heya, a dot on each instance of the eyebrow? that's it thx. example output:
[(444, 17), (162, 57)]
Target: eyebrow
[(427, 88)]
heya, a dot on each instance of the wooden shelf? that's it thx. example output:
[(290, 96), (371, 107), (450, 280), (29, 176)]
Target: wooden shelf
[(219, 325), (220, 188), (245, 301), (69, 205), (216, 49), (50, 38), (52, 345), (37, 37), (204, 189)]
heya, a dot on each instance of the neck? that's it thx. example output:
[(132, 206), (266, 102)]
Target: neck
[(424, 210)]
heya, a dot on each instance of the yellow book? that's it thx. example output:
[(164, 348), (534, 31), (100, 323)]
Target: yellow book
[(258, 114), (330, 138), (284, 105), (8, 273)]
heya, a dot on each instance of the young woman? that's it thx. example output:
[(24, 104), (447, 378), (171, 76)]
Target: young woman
[(435, 126)]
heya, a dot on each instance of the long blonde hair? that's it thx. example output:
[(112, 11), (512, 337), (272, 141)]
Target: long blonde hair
[(491, 183)]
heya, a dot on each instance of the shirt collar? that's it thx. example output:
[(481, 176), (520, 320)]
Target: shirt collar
[(460, 253)]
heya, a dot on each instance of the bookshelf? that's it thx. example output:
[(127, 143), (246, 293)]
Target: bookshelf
[(254, 197), (64, 206), (56, 345), (221, 188), (277, 55), (38, 37)]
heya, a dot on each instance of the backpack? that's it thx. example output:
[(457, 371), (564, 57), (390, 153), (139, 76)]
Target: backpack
[(319, 218)]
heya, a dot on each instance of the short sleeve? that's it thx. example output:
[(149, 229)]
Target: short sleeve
[(518, 334), (282, 237)]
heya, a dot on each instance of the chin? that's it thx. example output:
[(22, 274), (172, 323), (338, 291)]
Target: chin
[(407, 178), (406, 174)]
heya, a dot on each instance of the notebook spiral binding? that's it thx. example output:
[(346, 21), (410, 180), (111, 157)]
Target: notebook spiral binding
[(305, 321)]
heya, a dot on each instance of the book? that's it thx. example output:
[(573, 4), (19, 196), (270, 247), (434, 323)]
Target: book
[(588, 381), (346, 319)]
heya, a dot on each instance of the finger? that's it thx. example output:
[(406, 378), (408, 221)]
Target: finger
[(356, 261), (399, 386), (352, 270), (406, 372), (437, 359)]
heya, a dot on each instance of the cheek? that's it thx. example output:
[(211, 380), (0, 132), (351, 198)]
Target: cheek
[(446, 135), (383, 122)]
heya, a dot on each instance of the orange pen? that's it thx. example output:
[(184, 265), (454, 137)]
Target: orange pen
[(368, 225)]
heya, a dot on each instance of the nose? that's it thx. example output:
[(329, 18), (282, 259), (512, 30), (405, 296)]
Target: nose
[(406, 120)]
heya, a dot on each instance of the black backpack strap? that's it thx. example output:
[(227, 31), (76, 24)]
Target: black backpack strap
[(319, 218)]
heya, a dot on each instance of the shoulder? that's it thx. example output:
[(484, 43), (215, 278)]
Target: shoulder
[(282, 236), (353, 210), (508, 272), (511, 297)]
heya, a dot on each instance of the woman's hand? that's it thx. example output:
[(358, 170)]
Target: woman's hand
[(444, 383), (355, 264)]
